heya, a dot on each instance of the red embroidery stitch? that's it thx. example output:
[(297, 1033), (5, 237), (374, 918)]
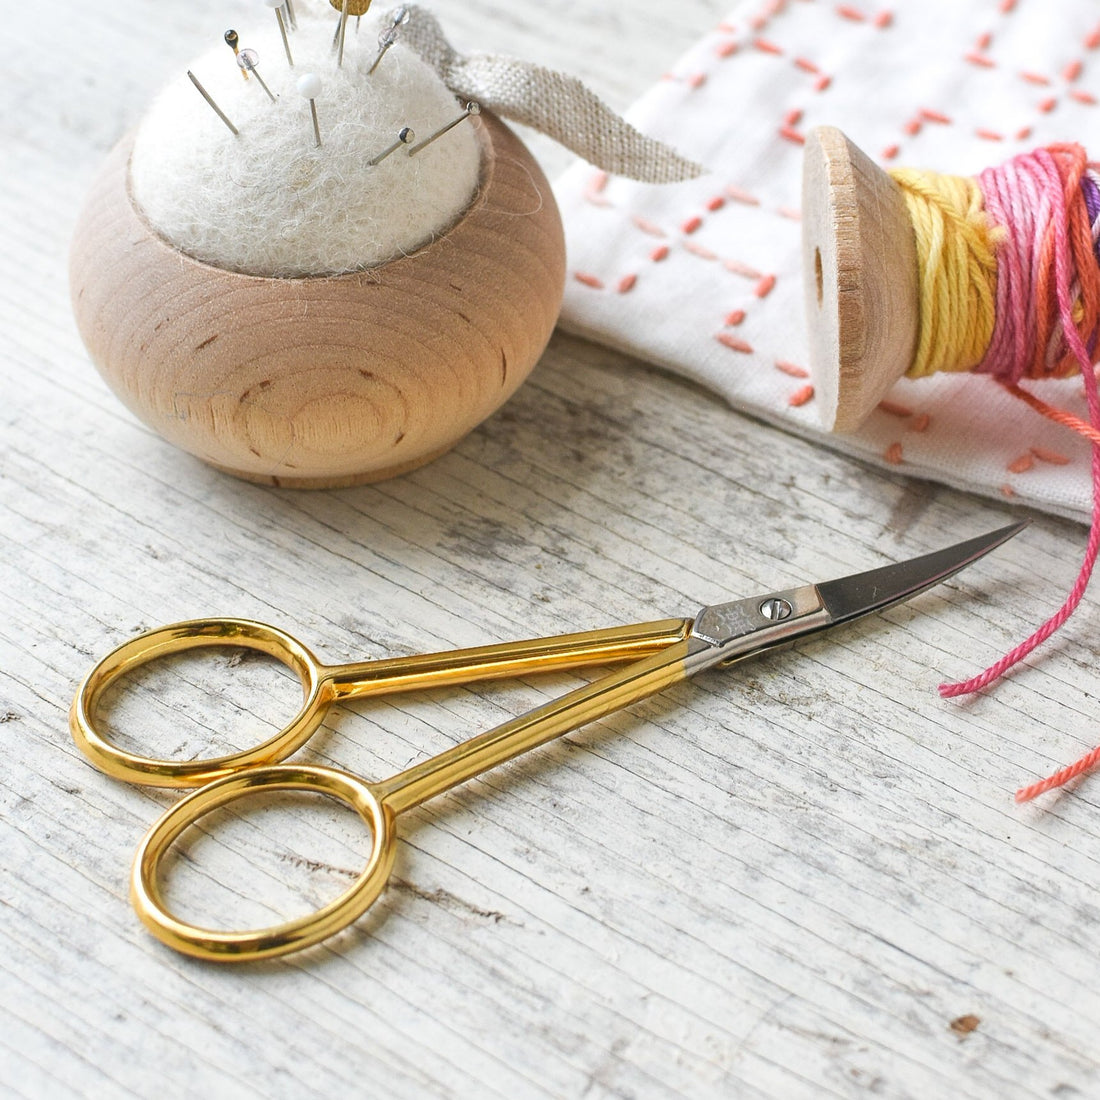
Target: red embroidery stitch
[(738, 195), (895, 409), (801, 396), (626, 283), (699, 250), (588, 280), (764, 287), (739, 268), (793, 369), (647, 226), (734, 343), (1055, 458)]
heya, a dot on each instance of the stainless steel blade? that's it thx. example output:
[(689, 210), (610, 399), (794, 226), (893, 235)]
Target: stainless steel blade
[(850, 597)]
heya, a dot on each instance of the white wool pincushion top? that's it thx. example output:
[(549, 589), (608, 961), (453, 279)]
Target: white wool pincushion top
[(268, 201)]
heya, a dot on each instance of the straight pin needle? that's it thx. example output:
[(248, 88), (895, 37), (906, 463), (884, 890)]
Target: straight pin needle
[(309, 87), (277, 6), (342, 33), (471, 109), (216, 109)]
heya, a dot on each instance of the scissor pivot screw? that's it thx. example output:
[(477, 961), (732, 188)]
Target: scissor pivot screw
[(775, 609)]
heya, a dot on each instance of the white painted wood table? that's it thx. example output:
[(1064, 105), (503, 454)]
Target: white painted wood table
[(787, 880)]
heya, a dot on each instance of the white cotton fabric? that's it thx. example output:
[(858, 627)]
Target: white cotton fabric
[(658, 271), (268, 202)]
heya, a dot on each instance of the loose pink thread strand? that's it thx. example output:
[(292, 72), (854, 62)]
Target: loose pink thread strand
[(1027, 188)]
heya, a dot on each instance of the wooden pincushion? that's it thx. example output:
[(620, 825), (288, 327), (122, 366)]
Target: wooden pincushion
[(324, 381), (859, 263)]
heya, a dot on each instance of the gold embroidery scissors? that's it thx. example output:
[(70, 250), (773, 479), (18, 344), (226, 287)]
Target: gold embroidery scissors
[(659, 654)]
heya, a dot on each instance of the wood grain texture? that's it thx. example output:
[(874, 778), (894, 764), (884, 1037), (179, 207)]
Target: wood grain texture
[(317, 382), (860, 273), (785, 880)]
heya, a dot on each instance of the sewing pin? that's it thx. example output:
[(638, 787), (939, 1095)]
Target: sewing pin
[(277, 6), (342, 31), (309, 86), (232, 40), (398, 17), (217, 110), (249, 60), (404, 136), (292, 19), (471, 109)]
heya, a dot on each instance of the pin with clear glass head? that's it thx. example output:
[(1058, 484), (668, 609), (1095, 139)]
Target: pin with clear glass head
[(471, 109), (398, 18), (249, 60)]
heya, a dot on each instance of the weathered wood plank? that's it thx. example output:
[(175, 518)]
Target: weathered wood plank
[(786, 879)]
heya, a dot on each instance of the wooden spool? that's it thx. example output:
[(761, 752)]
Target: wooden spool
[(860, 272), (324, 381)]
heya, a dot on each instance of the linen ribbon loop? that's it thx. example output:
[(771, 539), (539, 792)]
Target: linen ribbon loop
[(557, 105)]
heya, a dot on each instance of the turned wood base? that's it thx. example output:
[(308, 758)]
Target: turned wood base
[(324, 381)]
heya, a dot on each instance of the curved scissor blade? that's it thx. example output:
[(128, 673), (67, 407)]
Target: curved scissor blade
[(862, 593)]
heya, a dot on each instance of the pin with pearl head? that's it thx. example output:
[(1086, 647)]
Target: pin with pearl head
[(309, 87)]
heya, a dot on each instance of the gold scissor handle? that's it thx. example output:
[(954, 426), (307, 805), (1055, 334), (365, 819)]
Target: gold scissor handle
[(324, 684), (378, 804), (205, 943), (197, 634)]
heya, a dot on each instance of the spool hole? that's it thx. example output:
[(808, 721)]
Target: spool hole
[(819, 279)]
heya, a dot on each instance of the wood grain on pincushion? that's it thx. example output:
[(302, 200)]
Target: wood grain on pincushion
[(324, 381)]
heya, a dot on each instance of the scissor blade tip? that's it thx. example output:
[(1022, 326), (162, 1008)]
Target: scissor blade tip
[(851, 597)]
